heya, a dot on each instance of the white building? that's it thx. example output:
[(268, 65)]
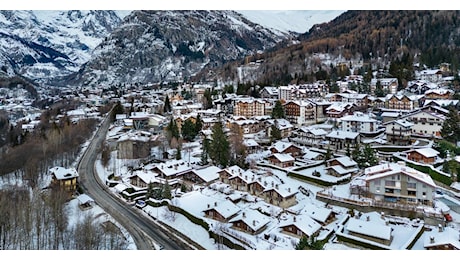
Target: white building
[(359, 123)]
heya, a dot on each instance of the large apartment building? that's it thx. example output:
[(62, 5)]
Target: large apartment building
[(396, 182)]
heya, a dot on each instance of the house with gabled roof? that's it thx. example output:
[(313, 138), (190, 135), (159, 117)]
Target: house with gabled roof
[(341, 166), (142, 179), (243, 180), (281, 160), (172, 169), (281, 195), (250, 221), (300, 226), (203, 176), (66, 178), (425, 155), (221, 211), (286, 148), (370, 229), (227, 173)]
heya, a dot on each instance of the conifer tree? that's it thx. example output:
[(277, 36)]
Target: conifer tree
[(219, 148), (278, 110)]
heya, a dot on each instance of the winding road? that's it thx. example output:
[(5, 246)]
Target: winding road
[(145, 232)]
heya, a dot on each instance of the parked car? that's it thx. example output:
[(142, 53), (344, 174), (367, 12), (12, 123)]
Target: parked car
[(448, 217)]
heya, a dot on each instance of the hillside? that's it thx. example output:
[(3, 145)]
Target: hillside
[(357, 38)]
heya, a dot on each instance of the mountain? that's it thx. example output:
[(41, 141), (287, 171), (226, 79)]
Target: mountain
[(298, 21), (354, 38), (40, 45), (156, 46)]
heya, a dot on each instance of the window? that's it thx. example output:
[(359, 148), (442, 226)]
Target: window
[(376, 182), (411, 185), (390, 183)]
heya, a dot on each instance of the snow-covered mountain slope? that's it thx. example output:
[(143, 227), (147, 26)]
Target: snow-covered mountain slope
[(299, 21), (157, 46), (44, 44)]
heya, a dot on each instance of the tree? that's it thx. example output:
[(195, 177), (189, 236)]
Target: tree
[(172, 130), (189, 130), (205, 151), (219, 148), (328, 154), (309, 243), (207, 101), (167, 105), (198, 124), (278, 110), (378, 89), (275, 132), (117, 110), (178, 153), (450, 130), (237, 147), (368, 156)]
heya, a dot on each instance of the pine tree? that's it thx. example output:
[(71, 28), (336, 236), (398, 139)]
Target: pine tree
[(219, 148), (278, 110), (205, 151), (450, 130), (189, 130), (275, 132), (198, 124), (368, 157), (167, 105)]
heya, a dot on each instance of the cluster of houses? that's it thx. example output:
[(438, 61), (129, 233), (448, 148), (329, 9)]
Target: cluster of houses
[(315, 121)]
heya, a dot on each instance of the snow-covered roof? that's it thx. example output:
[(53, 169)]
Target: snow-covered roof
[(280, 146), (369, 228), (173, 167), (388, 169), (283, 157), (427, 152), (342, 134), (209, 173), (84, 198), (345, 161), (305, 223), (253, 218), (62, 173), (447, 235), (358, 117), (225, 208)]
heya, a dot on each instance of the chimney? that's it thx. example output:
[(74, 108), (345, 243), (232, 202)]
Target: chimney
[(215, 204), (382, 215), (175, 166), (254, 222), (367, 218), (273, 184), (209, 206), (431, 239), (276, 186), (295, 219), (244, 214), (440, 228)]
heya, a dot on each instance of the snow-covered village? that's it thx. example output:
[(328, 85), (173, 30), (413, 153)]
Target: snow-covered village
[(356, 160)]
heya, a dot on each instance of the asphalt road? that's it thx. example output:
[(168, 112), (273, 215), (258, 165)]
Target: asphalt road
[(144, 230)]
